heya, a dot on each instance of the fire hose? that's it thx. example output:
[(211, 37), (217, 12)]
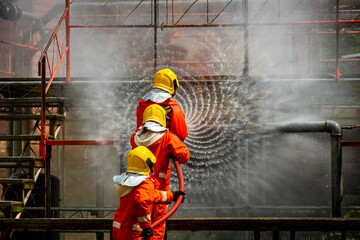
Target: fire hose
[(176, 204)]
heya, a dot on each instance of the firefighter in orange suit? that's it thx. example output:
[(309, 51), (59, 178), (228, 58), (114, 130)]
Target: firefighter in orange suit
[(164, 87), (137, 196), (165, 145)]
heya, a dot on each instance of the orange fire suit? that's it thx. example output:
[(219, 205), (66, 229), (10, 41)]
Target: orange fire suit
[(135, 210), (177, 122), (168, 146)]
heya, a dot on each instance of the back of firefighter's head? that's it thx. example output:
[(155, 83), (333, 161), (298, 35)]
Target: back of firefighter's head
[(166, 80), (140, 160), (155, 113)]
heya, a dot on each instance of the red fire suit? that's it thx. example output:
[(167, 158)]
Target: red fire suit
[(177, 122), (135, 210), (164, 149)]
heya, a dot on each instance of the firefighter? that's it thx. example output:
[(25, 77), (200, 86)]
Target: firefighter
[(165, 145), (164, 88), (137, 196)]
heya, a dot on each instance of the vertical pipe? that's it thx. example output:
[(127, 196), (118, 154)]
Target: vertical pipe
[(52, 129), (17, 131), (292, 235), (336, 155), (9, 144), (311, 50), (62, 179), (264, 168), (27, 130), (100, 187), (246, 167), (156, 19), (246, 38), (343, 235), (256, 235), (42, 69), (276, 235), (336, 176), (48, 182), (67, 26), (337, 41), (246, 176)]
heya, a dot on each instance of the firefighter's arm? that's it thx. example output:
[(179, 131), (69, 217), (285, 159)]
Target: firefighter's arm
[(144, 197), (163, 197), (177, 123), (179, 150)]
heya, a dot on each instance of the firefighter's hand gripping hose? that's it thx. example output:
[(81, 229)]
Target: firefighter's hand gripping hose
[(178, 200)]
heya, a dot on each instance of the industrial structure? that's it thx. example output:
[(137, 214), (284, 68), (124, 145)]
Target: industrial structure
[(270, 90)]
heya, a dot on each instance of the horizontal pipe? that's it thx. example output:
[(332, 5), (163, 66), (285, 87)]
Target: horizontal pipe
[(317, 126), (350, 144), (81, 142)]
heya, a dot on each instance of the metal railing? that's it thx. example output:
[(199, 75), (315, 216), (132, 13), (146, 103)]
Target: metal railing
[(255, 225)]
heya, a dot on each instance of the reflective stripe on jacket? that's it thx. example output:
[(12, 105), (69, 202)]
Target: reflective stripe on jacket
[(134, 212)]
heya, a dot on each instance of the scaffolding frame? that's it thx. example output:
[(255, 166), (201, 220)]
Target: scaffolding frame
[(64, 53)]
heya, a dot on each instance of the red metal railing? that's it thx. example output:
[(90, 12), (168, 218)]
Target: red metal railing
[(7, 53), (52, 61)]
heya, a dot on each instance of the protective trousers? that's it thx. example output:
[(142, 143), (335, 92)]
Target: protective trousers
[(159, 210)]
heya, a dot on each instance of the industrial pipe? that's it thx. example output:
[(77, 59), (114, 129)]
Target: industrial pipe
[(10, 11), (336, 154)]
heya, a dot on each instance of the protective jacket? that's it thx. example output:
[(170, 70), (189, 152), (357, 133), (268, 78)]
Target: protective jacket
[(136, 204), (164, 146), (176, 117)]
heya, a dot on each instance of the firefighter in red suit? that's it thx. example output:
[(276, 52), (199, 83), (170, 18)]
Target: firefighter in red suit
[(137, 194), (165, 145), (165, 84)]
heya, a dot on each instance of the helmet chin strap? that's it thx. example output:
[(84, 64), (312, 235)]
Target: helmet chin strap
[(150, 164)]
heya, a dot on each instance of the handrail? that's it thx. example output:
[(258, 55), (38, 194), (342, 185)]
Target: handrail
[(43, 61), (44, 52), (254, 224)]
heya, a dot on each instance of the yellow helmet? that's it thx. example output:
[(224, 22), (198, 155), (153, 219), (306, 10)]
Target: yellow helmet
[(155, 113), (140, 160), (166, 80)]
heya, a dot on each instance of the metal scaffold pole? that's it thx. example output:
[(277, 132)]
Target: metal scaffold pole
[(337, 41), (156, 22), (67, 23), (246, 37)]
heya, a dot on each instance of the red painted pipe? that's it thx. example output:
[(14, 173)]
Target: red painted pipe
[(178, 201)]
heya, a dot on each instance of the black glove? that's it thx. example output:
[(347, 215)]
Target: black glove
[(147, 233), (177, 194)]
